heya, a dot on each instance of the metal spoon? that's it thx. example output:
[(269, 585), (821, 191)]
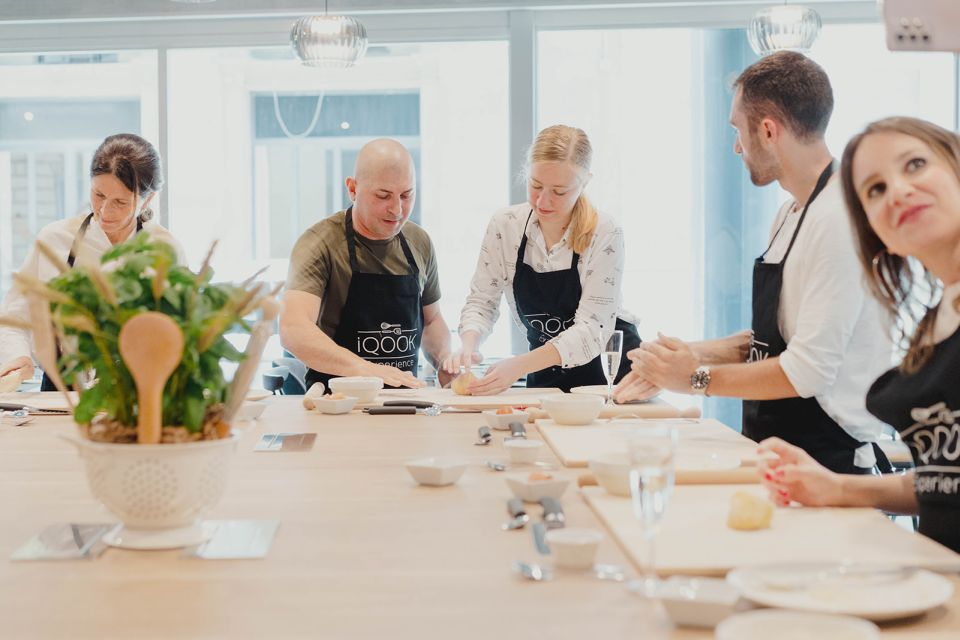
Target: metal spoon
[(533, 572), (496, 466), (16, 418)]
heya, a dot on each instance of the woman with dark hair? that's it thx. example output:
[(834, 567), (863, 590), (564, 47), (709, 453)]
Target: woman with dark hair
[(901, 182), (125, 177)]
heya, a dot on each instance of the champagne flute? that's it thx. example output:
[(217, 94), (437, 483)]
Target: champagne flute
[(610, 359), (652, 451)]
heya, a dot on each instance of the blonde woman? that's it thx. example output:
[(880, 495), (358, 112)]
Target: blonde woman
[(901, 182), (560, 264)]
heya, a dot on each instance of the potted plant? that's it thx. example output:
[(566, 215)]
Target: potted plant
[(141, 340)]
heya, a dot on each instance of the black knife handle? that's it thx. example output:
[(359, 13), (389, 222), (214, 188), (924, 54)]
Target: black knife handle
[(418, 404), (515, 507), (553, 515), (403, 410)]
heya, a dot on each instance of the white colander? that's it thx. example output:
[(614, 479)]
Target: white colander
[(157, 486)]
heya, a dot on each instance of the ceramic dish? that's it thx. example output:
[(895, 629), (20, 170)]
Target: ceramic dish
[(363, 388), (601, 390), (533, 490), (875, 594), (436, 471), (793, 625), (572, 409), (501, 421), (334, 406), (698, 602)]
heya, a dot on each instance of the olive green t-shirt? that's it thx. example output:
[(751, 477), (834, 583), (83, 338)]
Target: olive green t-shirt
[(320, 264)]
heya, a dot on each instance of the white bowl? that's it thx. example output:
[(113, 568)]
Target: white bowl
[(612, 471), (334, 407), (572, 409), (363, 388), (698, 602), (764, 623), (501, 421), (250, 411), (534, 490), (573, 548), (523, 451), (436, 471)]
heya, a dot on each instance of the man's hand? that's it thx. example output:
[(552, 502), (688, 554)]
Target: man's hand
[(666, 363), (498, 377), (633, 387), (22, 365), (392, 376)]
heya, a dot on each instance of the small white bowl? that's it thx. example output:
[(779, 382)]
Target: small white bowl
[(698, 602), (760, 625), (534, 490), (501, 421), (572, 409), (523, 451), (249, 411), (334, 407), (573, 548), (612, 471), (363, 388), (436, 471)]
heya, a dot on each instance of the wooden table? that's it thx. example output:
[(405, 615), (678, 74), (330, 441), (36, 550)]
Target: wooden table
[(362, 552)]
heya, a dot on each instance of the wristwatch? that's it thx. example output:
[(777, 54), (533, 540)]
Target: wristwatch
[(700, 380)]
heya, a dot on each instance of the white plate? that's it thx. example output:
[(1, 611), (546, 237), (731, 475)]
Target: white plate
[(697, 461), (601, 390), (792, 625), (819, 588)]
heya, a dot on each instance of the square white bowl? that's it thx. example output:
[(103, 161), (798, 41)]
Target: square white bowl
[(573, 548), (523, 451), (249, 411), (334, 407), (436, 471), (501, 421), (364, 388), (534, 490), (612, 472), (698, 602), (572, 408)]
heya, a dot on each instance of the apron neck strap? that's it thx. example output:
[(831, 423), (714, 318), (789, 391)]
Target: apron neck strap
[(77, 239), (574, 261), (817, 189)]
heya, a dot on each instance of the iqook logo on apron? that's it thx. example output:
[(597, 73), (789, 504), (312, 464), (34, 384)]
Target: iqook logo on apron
[(759, 351), (548, 326), (391, 343)]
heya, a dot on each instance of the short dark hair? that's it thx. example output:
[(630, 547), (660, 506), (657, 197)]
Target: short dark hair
[(790, 87)]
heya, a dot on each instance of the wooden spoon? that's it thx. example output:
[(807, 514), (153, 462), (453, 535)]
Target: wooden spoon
[(151, 344)]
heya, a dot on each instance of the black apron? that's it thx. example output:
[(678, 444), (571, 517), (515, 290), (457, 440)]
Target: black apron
[(382, 318), (924, 407), (799, 421), (46, 384), (547, 303)]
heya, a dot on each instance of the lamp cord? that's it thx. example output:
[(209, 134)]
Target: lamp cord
[(283, 125)]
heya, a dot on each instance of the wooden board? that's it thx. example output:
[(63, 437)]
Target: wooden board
[(655, 408), (446, 397), (694, 538), (576, 445)]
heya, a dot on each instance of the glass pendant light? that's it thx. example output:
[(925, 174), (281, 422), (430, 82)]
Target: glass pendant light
[(783, 27), (332, 42)]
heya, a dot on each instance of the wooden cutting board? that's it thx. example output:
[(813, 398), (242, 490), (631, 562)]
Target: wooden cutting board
[(446, 397), (655, 408), (576, 445), (694, 538)]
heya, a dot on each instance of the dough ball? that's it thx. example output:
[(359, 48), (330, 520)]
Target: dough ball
[(461, 384), (748, 512)]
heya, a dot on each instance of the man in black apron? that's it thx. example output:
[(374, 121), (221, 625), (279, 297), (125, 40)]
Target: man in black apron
[(547, 303), (362, 295), (780, 111)]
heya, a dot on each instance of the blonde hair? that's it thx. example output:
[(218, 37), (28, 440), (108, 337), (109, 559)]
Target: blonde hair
[(561, 143)]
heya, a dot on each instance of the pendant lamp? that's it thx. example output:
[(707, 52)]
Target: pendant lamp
[(783, 27), (332, 42)]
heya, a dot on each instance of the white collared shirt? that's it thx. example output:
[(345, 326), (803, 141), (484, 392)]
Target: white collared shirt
[(600, 269), (59, 236), (838, 338)]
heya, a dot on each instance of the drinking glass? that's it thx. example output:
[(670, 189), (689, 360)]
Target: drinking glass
[(652, 450), (610, 359)]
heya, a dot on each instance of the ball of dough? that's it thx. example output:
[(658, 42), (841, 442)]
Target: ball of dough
[(461, 384), (748, 512)]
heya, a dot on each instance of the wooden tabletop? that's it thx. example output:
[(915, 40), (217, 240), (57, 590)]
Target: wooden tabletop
[(362, 552)]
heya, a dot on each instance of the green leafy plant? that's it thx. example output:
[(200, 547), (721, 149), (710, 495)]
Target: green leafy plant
[(89, 305)]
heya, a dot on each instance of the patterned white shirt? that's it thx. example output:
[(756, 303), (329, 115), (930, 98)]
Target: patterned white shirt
[(601, 275)]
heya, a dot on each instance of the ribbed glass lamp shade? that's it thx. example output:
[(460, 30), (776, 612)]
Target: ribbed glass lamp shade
[(333, 42), (783, 27)]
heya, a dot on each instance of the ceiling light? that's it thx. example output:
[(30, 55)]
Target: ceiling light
[(332, 42), (783, 27)]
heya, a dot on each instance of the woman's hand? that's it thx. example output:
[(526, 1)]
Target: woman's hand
[(22, 365), (634, 387), (791, 474), (463, 359), (498, 377)]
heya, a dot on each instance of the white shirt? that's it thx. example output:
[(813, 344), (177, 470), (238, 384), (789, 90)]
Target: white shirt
[(59, 237), (600, 269), (838, 338), (948, 317)]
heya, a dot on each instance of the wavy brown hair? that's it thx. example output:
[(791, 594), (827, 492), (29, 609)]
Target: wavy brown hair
[(892, 278), (561, 143)]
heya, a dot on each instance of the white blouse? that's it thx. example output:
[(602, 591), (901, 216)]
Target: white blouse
[(600, 269)]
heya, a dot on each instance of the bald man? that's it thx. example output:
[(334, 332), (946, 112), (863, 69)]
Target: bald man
[(362, 292)]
